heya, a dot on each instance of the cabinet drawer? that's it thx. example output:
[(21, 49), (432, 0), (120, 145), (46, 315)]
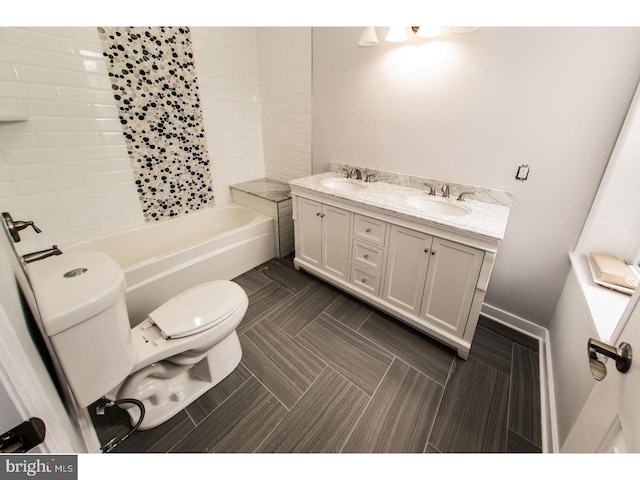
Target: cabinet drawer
[(367, 255), (369, 229), (365, 280)]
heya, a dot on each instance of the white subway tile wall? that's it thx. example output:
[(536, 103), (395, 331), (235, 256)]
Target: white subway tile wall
[(285, 83), (66, 167), (255, 86), (226, 61)]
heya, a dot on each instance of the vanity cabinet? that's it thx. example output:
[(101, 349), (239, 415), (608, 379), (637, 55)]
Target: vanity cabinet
[(430, 277), (323, 237)]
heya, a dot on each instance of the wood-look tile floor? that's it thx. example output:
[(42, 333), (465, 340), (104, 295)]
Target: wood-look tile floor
[(324, 372)]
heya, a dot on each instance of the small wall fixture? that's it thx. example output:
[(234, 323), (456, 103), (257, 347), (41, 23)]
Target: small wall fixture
[(523, 172)]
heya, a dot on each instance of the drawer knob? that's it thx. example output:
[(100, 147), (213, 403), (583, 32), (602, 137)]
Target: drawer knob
[(368, 230), (433, 252), (366, 255), (364, 280), (426, 250)]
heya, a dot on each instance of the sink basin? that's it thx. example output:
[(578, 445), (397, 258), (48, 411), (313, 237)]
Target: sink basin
[(437, 206), (344, 185)]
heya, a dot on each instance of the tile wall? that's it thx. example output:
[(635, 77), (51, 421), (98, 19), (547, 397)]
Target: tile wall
[(285, 83), (154, 83), (67, 167)]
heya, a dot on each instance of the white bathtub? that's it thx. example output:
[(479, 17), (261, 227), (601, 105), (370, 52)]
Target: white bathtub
[(163, 259)]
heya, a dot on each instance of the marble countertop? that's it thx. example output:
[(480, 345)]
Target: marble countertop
[(273, 190), (486, 219)]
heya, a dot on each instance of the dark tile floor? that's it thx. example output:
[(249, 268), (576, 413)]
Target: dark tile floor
[(323, 372)]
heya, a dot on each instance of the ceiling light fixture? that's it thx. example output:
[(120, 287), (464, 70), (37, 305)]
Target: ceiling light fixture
[(427, 32), (397, 35), (368, 37)]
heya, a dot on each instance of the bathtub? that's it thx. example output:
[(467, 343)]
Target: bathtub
[(163, 259)]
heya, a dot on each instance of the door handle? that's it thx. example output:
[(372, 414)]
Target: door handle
[(622, 356), (23, 437)]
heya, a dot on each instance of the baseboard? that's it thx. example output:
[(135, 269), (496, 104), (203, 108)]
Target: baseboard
[(547, 391)]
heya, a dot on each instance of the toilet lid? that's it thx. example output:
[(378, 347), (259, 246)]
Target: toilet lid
[(198, 308)]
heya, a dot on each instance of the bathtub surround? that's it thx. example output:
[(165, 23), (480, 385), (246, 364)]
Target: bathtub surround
[(154, 83), (273, 198), (67, 167), (162, 259)]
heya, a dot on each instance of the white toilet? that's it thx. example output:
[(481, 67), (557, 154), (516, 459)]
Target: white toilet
[(184, 347)]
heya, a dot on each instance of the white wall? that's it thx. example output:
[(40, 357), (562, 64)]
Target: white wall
[(613, 225), (569, 331), (285, 84), (470, 109)]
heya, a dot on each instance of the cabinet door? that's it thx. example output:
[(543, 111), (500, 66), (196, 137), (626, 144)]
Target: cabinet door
[(407, 263), (335, 241), (309, 229), (451, 284)]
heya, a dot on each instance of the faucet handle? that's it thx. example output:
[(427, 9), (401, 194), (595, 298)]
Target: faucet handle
[(369, 177), (461, 196), (346, 172), (15, 226), (445, 190)]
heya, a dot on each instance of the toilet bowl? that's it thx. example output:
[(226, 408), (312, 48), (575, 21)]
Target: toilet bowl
[(184, 348)]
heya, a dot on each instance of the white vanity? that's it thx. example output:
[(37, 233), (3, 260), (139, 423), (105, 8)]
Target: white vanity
[(424, 259)]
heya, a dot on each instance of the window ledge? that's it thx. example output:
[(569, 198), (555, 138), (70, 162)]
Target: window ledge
[(605, 306)]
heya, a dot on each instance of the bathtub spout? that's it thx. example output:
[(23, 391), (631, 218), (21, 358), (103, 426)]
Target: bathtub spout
[(32, 257)]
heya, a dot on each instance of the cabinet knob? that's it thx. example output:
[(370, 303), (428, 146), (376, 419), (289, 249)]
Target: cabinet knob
[(368, 230), (318, 214), (366, 255), (426, 250), (364, 280), (433, 252)]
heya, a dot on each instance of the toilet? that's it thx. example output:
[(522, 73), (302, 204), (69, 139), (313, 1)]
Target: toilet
[(184, 347)]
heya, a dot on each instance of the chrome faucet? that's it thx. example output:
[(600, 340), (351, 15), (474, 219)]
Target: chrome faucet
[(445, 190), (432, 191), (357, 173), (49, 252)]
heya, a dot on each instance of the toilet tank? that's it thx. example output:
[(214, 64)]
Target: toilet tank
[(80, 297)]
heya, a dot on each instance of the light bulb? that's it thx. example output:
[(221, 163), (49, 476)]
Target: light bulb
[(429, 32), (397, 35)]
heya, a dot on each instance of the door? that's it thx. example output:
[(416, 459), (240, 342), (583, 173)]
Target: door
[(610, 419), (309, 231), (407, 263), (336, 223), (451, 284)]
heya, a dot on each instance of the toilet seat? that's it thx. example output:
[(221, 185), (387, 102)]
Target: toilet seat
[(198, 309)]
